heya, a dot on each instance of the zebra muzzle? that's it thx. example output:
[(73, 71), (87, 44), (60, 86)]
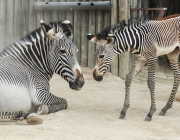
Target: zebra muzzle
[(78, 82), (96, 76)]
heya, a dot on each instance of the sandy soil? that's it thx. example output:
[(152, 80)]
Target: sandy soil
[(93, 112)]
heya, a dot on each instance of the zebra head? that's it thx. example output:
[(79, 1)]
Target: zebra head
[(63, 53), (104, 54)]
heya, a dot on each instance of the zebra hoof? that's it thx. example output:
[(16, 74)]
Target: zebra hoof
[(122, 116), (161, 113), (33, 118), (21, 118), (147, 119), (43, 109)]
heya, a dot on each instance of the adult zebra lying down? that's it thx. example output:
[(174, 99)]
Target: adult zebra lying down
[(27, 66), (147, 39)]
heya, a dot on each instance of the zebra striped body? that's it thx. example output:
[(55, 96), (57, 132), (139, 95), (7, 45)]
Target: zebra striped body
[(27, 66), (147, 39)]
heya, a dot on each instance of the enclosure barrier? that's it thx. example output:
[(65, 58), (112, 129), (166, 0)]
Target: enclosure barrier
[(102, 5), (144, 11)]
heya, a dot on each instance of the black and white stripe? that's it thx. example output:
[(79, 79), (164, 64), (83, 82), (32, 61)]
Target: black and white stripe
[(30, 63), (147, 39)]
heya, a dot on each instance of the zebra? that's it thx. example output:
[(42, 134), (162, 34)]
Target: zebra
[(147, 39), (27, 66)]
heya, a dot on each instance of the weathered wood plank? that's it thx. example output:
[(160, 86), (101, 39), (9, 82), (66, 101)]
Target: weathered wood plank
[(40, 16), (99, 20), (32, 16), (2, 24), (61, 14), (17, 19), (54, 14), (114, 19), (91, 46), (9, 23), (77, 32), (47, 14), (107, 22), (24, 24), (69, 13), (84, 43)]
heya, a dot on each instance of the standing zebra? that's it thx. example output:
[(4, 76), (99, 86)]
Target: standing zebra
[(27, 66), (147, 39)]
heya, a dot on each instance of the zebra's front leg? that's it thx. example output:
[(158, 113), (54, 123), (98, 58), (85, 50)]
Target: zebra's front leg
[(46, 109), (151, 62), (51, 103), (138, 64), (173, 59)]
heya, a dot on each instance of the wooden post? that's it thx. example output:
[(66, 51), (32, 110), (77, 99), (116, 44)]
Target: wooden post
[(114, 19), (124, 58)]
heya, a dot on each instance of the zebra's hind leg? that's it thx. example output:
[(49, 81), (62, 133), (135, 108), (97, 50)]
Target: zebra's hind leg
[(13, 115), (31, 118), (138, 64), (173, 58)]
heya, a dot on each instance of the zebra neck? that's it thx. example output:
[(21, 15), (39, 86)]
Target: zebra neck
[(31, 53), (129, 39)]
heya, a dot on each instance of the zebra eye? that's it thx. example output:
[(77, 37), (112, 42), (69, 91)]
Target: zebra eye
[(62, 51), (101, 56)]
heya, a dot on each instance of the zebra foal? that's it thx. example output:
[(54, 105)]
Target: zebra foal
[(27, 66), (147, 39)]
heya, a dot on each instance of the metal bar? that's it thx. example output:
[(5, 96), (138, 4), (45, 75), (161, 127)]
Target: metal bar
[(149, 9), (103, 5)]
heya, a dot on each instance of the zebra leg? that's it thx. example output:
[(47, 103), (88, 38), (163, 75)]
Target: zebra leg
[(48, 103), (173, 59), (14, 115), (46, 109), (151, 62), (138, 64), (31, 118)]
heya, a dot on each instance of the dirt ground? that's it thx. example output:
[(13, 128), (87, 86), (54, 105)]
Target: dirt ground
[(93, 113)]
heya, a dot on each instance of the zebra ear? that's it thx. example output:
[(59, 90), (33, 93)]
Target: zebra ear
[(50, 32), (92, 38), (67, 29), (110, 38)]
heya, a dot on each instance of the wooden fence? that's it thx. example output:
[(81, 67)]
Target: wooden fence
[(18, 18)]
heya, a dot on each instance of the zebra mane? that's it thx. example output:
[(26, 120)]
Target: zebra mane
[(56, 25), (121, 25), (33, 36)]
